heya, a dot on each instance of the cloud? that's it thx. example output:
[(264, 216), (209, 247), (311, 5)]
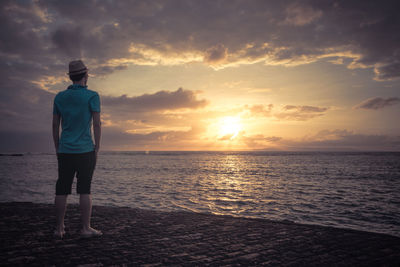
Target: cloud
[(159, 101), (300, 15), (107, 69), (142, 54), (216, 54), (376, 103), (159, 140), (326, 140), (24, 106), (287, 112), (344, 140), (387, 72), (258, 141), (260, 110), (305, 108), (226, 137), (68, 39), (300, 113), (161, 112), (176, 32)]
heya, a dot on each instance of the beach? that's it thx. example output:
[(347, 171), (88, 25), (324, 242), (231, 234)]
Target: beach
[(154, 238)]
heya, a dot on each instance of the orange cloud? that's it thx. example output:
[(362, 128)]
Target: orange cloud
[(300, 113)]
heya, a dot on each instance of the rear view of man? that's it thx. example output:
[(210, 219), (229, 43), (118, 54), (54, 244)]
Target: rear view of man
[(75, 108)]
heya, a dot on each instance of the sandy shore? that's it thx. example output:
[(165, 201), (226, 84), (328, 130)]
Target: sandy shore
[(141, 237)]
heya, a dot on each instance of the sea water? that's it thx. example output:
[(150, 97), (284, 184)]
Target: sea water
[(347, 190)]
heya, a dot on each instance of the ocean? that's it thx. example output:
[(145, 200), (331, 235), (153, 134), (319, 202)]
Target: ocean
[(345, 190)]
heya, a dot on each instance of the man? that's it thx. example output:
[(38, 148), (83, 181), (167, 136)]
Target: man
[(76, 108)]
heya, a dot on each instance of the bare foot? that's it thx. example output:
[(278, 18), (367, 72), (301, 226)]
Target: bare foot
[(91, 232), (59, 232)]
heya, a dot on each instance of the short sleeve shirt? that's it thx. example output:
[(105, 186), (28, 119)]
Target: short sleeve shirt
[(75, 106)]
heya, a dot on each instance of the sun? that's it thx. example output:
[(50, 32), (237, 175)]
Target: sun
[(229, 127)]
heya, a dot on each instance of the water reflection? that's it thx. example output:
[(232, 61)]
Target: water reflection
[(227, 190)]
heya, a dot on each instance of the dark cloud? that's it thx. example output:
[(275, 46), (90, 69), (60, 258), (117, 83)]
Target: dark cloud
[(68, 40), (159, 101), (216, 54), (23, 106), (300, 113), (20, 29), (106, 70), (378, 103), (275, 32), (387, 72), (300, 15)]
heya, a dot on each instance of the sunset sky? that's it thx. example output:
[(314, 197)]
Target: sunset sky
[(207, 74)]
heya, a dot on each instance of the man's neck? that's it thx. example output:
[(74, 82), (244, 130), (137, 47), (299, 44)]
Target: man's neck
[(81, 82)]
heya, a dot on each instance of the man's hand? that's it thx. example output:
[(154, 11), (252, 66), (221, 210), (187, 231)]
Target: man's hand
[(96, 131), (56, 130)]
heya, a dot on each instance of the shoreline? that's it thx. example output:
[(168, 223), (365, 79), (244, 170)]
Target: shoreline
[(186, 210), (138, 237)]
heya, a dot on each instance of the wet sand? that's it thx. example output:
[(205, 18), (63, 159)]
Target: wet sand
[(152, 238)]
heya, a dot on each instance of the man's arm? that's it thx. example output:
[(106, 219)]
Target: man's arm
[(96, 130), (56, 130)]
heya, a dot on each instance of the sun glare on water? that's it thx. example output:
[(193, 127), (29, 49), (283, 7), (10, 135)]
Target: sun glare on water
[(229, 127)]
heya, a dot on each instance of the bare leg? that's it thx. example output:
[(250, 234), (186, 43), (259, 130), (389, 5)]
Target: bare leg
[(61, 206), (85, 203)]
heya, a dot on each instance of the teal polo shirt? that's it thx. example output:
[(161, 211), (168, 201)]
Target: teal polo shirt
[(75, 106)]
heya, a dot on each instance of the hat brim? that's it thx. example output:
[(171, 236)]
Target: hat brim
[(78, 71)]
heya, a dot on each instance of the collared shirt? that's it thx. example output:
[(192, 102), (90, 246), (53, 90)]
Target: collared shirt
[(75, 106)]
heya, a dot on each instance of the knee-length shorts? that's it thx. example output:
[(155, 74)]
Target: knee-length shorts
[(82, 165)]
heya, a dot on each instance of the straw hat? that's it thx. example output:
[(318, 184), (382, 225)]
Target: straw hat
[(77, 67)]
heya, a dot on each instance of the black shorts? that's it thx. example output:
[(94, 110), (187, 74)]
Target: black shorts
[(82, 165)]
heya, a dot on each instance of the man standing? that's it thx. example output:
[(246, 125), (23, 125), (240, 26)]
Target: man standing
[(76, 108)]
